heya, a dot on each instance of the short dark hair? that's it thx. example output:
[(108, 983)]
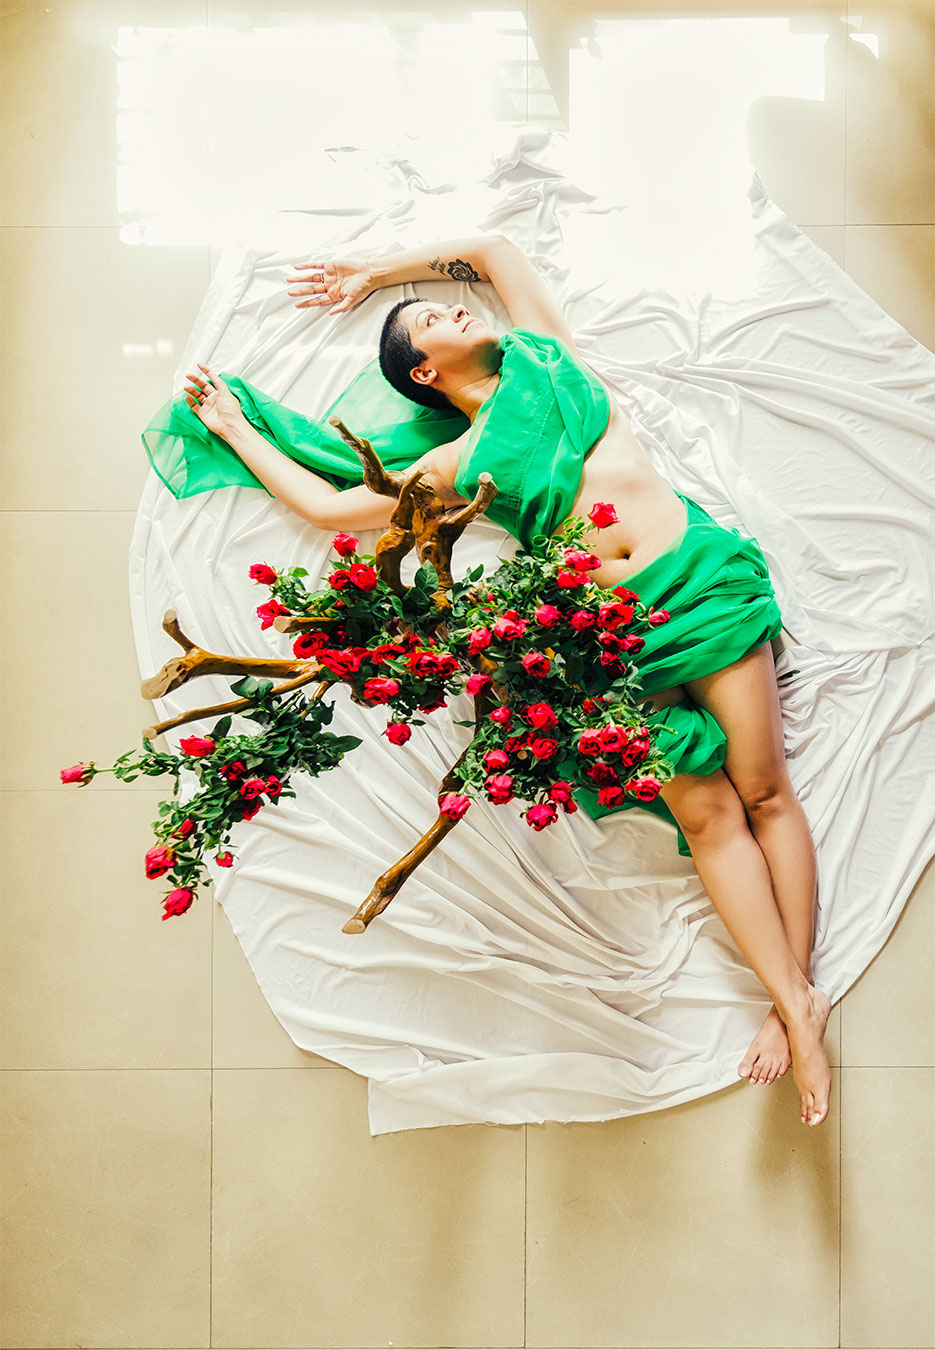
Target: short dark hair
[(398, 357)]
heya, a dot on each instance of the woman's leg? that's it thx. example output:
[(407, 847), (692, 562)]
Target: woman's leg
[(744, 700), (734, 872)]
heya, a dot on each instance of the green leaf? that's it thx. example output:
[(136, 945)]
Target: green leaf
[(222, 728), (300, 572), (245, 687)]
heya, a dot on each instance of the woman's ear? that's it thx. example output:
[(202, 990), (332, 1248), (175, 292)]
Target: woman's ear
[(424, 374)]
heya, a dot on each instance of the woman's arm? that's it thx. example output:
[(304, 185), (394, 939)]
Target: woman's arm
[(457, 259)]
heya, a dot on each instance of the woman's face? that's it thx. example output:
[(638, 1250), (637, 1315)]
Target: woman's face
[(455, 343)]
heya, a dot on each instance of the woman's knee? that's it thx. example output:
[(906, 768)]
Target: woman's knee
[(767, 793), (705, 805)]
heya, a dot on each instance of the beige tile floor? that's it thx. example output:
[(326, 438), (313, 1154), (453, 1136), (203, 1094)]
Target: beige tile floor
[(172, 1173)]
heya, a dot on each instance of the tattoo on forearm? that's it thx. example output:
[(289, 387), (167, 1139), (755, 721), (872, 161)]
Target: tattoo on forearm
[(456, 268)]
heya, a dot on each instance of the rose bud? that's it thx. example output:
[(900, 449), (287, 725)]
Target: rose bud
[(431, 707), (582, 619), (658, 618), (78, 773), (610, 796), (252, 788), (380, 690), (589, 743), (184, 829), (196, 745), (560, 791), (632, 642), (581, 560), (540, 716), (536, 663), (591, 705), (177, 901), (645, 789), (363, 576), (475, 684), (397, 733), (267, 612), (541, 815), (603, 514), (610, 642), (547, 616), (158, 861), (499, 788), (569, 580), (453, 805), (609, 660), (273, 786), (233, 771), (496, 759), (263, 574), (248, 809), (345, 544), (225, 860), (502, 715), (478, 639), (339, 578)]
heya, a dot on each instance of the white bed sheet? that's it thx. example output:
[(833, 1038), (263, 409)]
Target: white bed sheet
[(580, 973)]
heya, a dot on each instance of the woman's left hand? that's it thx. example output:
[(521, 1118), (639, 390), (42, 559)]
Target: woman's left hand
[(211, 401)]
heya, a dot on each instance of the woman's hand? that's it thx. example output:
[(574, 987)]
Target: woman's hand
[(211, 400), (339, 284)]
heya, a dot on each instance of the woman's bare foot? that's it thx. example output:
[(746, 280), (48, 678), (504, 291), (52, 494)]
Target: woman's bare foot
[(768, 1055), (810, 1069)]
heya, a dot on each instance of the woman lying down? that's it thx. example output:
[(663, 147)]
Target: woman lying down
[(548, 431)]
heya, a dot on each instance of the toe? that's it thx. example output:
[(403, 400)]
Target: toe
[(744, 1068)]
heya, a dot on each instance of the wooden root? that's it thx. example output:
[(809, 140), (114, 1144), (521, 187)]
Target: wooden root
[(196, 662)]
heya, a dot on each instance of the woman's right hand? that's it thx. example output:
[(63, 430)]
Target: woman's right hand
[(341, 284), (214, 404)]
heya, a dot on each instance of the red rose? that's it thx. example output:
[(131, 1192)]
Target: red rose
[(430, 707), (502, 715), (397, 733), (658, 618), (385, 650), (422, 664), (343, 663), (611, 795), (380, 690), (610, 642), (536, 663), (569, 580), (589, 743), (363, 576), (612, 663), (225, 860), (233, 771), (453, 805), (184, 829), (196, 745), (635, 752), (476, 684), (591, 705), (543, 747), (263, 574), (541, 815), (614, 613), (273, 786), (603, 514), (267, 612), (645, 789), (249, 809), (581, 560), (509, 626), (514, 743), (601, 772), (345, 544), (547, 616), (78, 773), (560, 792), (633, 643), (177, 901), (310, 643), (495, 759), (582, 619), (613, 738), (478, 639), (252, 788), (445, 664), (540, 716), (339, 578), (499, 788), (158, 861)]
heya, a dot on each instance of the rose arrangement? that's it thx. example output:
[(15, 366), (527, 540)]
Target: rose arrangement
[(544, 652)]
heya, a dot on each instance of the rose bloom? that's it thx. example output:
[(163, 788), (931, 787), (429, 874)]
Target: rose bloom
[(603, 514), (613, 738), (589, 743), (310, 644), (267, 612), (541, 815), (582, 619), (273, 786), (645, 789), (581, 560), (383, 651), (445, 663), (591, 705), (343, 663), (514, 743), (430, 707), (178, 901), (78, 773), (196, 745), (345, 544), (475, 684), (633, 643), (611, 795), (248, 809), (658, 618), (614, 613), (263, 574), (536, 663), (547, 616), (502, 715), (397, 733), (543, 747), (158, 861), (339, 578), (499, 788), (453, 805), (561, 792), (225, 860), (610, 642), (252, 788), (612, 663), (569, 580), (380, 690), (541, 716), (509, 625), (363, 576), (635, 752), (601, 772), (496, 759), (478, 639), (233, 771)]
